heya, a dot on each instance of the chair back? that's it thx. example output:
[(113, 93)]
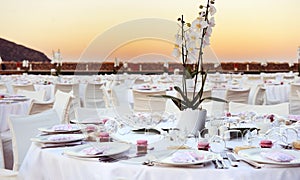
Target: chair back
[(237, 95), (143, 102), (94, 96), (36, 95), (62, 104), (67, 88), (260, 95), (279, 109), (25, 127), (28, 87), (294, 99), (39, 106), (3, 88)]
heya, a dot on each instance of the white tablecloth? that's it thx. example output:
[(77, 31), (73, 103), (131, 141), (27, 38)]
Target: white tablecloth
[(51, 164), (18, 108)]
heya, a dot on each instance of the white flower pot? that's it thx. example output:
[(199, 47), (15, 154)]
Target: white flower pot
[(191, 121)]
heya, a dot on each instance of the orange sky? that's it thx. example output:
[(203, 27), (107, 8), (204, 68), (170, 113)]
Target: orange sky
[(248, 30)]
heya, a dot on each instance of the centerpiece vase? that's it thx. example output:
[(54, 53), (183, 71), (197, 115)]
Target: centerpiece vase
[(191, 121)]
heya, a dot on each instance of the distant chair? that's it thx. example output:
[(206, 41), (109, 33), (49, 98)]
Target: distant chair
[(70, 88), (143, 102), (3, 88), (36, 95), (281, 109), (237, 95), (39, 106), (28, 87), (260, 95), (294, 99), (94, 96)]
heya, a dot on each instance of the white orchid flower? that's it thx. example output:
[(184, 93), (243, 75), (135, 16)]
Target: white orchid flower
[(206, 41), (209, 31), (212, 10), (212, 22), (176, 52)]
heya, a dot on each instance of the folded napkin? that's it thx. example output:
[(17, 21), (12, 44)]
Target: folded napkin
[(94, 150), (62, 127), (186, 157), (278, 156), (60, 138)]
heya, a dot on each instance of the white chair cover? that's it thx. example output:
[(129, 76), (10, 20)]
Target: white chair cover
[(67, 88), (237, 95), (3, 88), (260, 95), (94, 96), (25, 127), (39, 106), (279, 109), (142, 102), (294, 99), (37, 95), (62, 105), (5, 174), (28, 87)]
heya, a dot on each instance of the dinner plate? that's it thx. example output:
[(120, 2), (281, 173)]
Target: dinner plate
[(60, 128), (183, 157), (255, 154), (58, 138), (106, 149), (98, 120)]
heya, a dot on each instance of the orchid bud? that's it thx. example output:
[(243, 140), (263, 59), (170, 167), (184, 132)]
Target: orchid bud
[(188, 24)]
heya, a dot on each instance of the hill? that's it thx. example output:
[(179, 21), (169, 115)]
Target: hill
[(10, 51)]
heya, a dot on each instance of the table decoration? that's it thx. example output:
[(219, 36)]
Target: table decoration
[(189, 48)]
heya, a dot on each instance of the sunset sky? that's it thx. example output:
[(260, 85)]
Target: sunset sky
[(246, 30)]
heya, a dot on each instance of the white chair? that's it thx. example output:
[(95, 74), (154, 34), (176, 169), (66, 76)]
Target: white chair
[(143, 102), (92, 113), (3, 88), (260, 95), (237, 95), (119, 100), (294, 99), (62, 104), (279, 109), (37, 95), (67, 88), (94, 96), (39, 106), (25, 127), (28, 87)]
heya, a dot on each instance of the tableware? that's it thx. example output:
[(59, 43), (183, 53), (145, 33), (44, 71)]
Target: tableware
[(255, 154), (98, 120), (188, 157), (58, 138), (61, 128), (106, 149)]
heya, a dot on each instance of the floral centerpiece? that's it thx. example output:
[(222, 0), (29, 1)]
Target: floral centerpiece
[(191, 39)]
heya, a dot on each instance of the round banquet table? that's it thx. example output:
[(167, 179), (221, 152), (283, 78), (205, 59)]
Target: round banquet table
[(53, 164)]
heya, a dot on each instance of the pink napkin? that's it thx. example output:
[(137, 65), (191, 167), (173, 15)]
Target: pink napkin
[(94, 150), (278, 156), (62, 127), (60, 138), (186, 157)]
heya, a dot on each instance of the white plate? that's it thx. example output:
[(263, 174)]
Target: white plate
[(98, 120), (54, 129), (255, 155), (111, 148), (206, 156), (63, 138)]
